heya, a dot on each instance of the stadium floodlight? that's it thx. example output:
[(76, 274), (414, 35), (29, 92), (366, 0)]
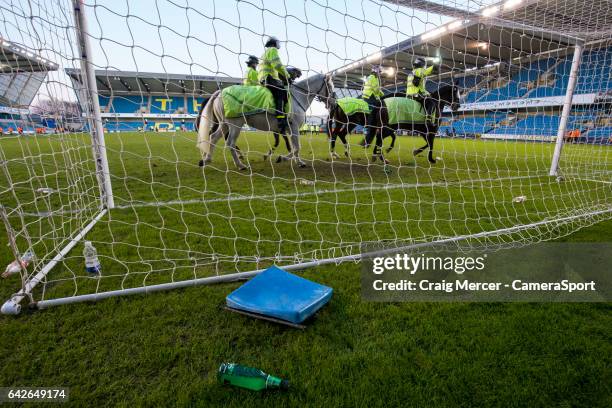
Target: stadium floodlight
[(490, 11), (512, 4), (527, 82), (455, 24)]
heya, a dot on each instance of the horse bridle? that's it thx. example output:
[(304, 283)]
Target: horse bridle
[(306, 91)]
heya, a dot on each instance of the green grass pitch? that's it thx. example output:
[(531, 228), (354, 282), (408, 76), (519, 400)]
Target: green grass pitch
[(163, 349)]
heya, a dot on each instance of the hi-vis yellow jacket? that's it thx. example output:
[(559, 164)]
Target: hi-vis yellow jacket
[(270, 64), (372, 87), (251, 77), (421, 74)]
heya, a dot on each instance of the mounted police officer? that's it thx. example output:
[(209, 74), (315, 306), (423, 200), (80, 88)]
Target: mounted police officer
[(251, 78), (415, 88), (273, 75), (372, 94)]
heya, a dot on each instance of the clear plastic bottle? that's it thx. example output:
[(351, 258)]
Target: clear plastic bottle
[(92, 264), (15, 267)]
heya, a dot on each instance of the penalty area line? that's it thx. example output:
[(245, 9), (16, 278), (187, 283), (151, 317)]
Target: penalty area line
[(139, 204)]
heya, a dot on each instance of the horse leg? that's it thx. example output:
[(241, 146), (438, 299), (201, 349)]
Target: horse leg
[(231, 144), (420, 150), (240, 155), (287, 143), (430, 142), (332, 144), (347, 148), (378, 150), (295, 145), (367, 141), (237, 148), (214, 138), (392, 145), (272, 149)]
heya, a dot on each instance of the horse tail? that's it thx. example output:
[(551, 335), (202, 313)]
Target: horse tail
[(206, 115)]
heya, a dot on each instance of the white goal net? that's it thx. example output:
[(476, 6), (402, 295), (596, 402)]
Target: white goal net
[(104, 148)]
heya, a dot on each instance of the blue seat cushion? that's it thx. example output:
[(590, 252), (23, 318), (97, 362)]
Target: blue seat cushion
[(281, 295)]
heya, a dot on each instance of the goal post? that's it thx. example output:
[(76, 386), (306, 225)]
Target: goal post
[(162, 218), (91, 102), (567, 107)]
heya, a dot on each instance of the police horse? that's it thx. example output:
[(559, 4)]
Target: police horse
[(212, 123), (340, 124)]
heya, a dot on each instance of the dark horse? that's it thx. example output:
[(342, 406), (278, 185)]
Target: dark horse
[(339, 125)]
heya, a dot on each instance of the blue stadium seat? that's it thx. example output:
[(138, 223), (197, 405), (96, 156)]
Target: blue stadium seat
[(600, 133), (103, 101), (128, 104), (546, 125)]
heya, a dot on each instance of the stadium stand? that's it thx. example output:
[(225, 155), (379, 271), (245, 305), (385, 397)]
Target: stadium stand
[(130, 101), (22, 72), (544, 78)]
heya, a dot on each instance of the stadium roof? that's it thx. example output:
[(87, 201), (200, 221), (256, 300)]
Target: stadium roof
[(507, 33), (15, 58), (22, 71), (131, 82)]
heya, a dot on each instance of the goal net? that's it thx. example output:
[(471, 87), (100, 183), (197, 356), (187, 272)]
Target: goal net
[(104, 148)]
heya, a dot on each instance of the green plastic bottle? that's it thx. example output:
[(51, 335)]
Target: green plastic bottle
[(249, 378)]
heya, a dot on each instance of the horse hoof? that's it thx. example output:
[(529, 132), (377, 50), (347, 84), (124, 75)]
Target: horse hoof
[(201, 163)]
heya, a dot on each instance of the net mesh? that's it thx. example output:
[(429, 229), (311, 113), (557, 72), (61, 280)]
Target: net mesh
[(174, 220)]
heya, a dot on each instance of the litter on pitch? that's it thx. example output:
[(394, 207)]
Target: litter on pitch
[(279, 296)]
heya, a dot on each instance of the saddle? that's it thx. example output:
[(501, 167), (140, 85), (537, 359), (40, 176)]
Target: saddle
[(400, 109), (244, 100)]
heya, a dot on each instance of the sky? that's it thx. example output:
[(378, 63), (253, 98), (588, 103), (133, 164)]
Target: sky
[(214, 37), (211, 37)]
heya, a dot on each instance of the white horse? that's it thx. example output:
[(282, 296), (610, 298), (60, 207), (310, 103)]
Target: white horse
[(212, 123)]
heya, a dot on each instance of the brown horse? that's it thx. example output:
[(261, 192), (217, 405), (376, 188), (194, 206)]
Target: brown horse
[(339, 125)]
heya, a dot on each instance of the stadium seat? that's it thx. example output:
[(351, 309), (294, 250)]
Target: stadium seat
[(127, 103)]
